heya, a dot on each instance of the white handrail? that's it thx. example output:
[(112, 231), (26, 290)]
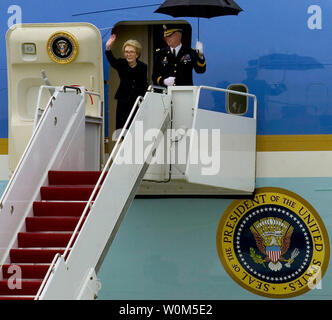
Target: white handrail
[(230, 91), (19, 165)]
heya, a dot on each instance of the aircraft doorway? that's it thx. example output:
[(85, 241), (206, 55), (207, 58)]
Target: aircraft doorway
[(150, 35)]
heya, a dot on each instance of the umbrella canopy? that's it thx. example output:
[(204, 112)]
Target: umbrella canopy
[(199, 8)]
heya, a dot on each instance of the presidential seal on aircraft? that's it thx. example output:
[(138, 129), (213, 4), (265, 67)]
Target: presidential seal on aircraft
[(274, 244), (62, 47)]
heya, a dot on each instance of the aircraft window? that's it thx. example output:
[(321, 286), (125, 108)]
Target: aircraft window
[(237, 104)]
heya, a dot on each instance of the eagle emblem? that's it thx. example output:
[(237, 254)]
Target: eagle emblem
[(273, 237), (63, 47)]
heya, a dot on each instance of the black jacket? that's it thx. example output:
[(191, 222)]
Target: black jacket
[(180, 67), (133, 81)]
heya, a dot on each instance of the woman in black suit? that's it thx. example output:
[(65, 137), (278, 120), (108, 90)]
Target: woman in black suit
[(133, 77)]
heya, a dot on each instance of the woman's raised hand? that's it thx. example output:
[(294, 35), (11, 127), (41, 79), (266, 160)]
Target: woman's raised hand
[(110, 41)]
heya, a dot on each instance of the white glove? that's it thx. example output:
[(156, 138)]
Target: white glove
[(169, 81), (199, 47)]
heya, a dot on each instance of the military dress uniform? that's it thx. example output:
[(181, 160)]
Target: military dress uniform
[(167, 65)]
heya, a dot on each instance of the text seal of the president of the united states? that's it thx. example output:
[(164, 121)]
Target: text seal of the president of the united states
[(274, 244)]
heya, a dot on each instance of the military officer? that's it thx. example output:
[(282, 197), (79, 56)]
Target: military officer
[(173, 65)]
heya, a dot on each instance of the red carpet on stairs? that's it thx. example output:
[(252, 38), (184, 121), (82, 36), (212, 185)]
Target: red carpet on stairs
[(47, 232)]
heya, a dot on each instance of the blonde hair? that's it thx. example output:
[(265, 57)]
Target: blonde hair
[(135, 44)]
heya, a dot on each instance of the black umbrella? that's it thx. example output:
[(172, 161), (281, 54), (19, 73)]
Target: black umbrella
[(199, 8)]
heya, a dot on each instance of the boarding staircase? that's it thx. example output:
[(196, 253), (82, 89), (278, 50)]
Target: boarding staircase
[(57, 220)]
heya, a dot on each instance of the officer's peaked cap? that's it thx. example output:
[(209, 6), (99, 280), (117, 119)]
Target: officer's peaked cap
[(169, 30)]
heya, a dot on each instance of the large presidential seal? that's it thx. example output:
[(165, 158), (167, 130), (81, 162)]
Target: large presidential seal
[(62, 47), (274, 244)]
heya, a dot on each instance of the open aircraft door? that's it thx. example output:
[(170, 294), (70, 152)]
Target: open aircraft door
[(222, 150), (56, 54)]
